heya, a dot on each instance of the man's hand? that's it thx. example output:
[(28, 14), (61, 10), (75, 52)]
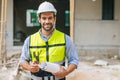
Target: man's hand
[(62, 73), (34, 66)]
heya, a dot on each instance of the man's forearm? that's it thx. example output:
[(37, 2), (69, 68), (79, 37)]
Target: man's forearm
[(70, 68), (25, 65)]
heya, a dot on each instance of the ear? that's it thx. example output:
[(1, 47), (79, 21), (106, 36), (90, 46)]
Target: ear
[(55, 19)]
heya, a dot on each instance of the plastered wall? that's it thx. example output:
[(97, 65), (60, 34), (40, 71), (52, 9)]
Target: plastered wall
[(92, 34)]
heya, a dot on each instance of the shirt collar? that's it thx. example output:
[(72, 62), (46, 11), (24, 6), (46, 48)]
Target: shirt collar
[(45, 38)]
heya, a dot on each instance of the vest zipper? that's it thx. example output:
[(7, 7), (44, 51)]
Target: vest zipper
[(47, 51)]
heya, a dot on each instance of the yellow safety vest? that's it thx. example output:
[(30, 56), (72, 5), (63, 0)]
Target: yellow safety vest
[(52, 51)]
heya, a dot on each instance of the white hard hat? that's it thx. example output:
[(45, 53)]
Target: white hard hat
[(46, 7)]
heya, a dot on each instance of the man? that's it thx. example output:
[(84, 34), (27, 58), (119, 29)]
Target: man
[(48, 45)]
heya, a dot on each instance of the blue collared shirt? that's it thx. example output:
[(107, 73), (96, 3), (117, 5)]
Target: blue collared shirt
[(71, 53)]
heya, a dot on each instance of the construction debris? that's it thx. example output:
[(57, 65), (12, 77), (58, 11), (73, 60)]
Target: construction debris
[(4, 68), (20, 74), (101, 63)]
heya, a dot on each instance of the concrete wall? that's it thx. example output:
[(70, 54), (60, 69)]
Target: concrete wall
[(10, 24), (95, 34)]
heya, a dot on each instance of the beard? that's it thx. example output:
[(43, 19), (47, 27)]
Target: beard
[(48, 27)]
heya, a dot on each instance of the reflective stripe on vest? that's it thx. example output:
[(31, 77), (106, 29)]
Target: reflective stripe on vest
[(52, 51)]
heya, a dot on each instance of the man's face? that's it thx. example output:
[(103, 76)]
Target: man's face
[(47, 20)]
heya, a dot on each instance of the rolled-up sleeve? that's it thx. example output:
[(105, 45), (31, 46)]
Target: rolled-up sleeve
[(25, 51), (71, 52)]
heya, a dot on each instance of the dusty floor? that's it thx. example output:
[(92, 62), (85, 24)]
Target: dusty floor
[(85, 71)]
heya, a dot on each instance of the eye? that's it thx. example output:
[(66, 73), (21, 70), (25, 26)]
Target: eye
[(50, 18), (43, 18)]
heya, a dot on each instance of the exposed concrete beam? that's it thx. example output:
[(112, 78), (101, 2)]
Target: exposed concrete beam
[(3, 31), (72, 19)]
